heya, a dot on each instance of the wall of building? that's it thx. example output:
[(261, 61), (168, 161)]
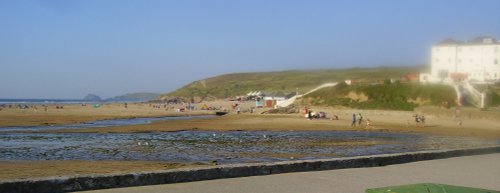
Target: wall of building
[(480, 62)]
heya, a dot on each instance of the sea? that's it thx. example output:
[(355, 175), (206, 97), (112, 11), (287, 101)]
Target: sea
[(43, 101)]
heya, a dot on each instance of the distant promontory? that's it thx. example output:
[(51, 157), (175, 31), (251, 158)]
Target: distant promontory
[(92, 97), (134, 97)]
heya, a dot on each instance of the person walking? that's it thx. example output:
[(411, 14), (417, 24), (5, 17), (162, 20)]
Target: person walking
[(353, 124), (360, 119)]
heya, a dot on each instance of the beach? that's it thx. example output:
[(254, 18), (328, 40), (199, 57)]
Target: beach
[(438, 121), (477, 124)]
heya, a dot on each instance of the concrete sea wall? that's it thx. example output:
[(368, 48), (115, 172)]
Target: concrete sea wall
[(68, 184)]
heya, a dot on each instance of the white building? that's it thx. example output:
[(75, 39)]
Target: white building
[(477, 61)]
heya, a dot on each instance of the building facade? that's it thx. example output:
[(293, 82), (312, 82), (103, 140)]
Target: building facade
[(476, 61)]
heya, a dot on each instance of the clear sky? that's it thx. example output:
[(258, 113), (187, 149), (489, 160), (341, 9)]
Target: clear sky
[(69, 48)]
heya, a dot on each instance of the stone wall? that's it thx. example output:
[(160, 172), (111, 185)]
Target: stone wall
[(68, 184)]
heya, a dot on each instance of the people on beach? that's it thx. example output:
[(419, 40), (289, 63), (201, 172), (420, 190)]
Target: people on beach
[(360, 119), (419, 120), (353, 124), (368, 124)]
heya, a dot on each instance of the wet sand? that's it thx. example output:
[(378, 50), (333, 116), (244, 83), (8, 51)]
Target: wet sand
[(19, 170), (295, 122), (438, 121), (76, 113)]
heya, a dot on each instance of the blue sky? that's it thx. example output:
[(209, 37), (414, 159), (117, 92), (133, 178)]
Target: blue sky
[(68, 48)]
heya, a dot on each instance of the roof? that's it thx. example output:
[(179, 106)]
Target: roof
[(449, 42), (482, 40)]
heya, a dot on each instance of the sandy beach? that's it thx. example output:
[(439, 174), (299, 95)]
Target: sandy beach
[(476, 123), (76, 113), (438, 121)]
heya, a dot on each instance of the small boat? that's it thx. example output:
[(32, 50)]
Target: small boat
[(220, 113)]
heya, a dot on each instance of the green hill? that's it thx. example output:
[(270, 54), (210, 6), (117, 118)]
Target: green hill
[(395, 96), (230, 85)]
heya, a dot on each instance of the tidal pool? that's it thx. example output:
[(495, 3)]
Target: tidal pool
[(101, 123), (224, 147)]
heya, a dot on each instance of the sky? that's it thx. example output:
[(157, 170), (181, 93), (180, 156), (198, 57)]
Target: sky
[(66, 49)]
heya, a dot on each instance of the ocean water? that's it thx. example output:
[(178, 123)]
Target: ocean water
[(42, 101)]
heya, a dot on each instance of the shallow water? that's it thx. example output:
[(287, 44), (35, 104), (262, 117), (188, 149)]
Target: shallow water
[(101, 123), (225, 147)]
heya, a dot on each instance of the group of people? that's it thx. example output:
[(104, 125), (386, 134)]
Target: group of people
[(419, 120), (358, 120), (23, 106), (314, 115)]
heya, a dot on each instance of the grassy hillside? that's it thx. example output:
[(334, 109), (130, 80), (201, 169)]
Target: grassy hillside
[(229, 85), (397, 96)]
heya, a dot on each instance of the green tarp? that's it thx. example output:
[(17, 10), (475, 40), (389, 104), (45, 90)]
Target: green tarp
[(429, 188)]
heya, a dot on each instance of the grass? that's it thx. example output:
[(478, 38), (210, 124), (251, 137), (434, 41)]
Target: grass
[(397, 96), (230, 85)]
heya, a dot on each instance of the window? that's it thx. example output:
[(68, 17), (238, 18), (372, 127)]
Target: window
[(496, 62)]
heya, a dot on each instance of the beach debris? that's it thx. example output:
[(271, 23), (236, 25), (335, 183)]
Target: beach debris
[(143, 143)]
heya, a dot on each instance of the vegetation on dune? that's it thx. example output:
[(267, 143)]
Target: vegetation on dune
[(397, 96), (494, 93), (230, 85)]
